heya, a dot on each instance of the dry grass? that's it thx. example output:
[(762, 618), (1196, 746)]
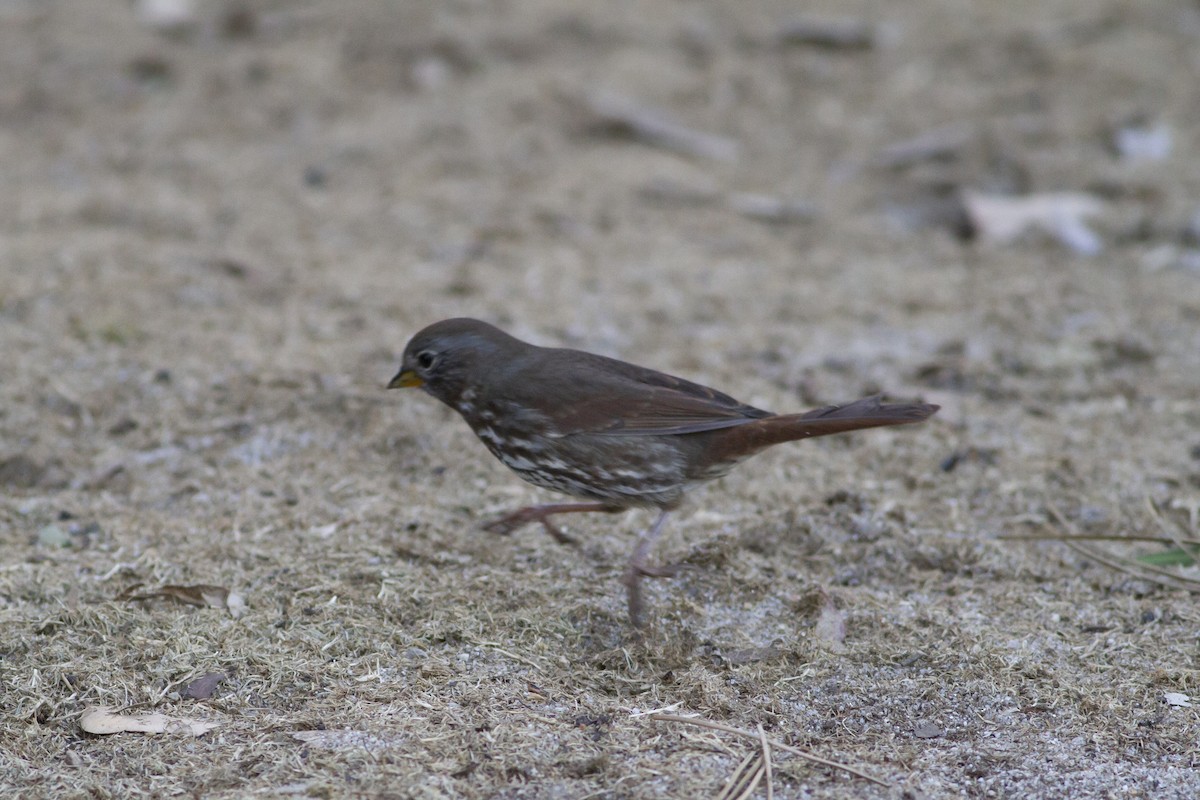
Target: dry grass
[(213, 248)]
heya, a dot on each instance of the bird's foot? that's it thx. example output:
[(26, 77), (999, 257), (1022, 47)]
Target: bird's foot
[(660, 571), (557, 534), (633, 586), (503, 526), (510, 522), (638, 569)]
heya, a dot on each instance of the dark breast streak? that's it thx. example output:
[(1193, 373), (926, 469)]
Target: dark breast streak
[(634, 470), (623, 470)]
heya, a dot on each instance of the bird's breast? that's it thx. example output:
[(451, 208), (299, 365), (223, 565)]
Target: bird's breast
[(628, 470)]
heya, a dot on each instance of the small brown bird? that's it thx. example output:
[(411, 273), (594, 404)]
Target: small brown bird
[(593, 427)]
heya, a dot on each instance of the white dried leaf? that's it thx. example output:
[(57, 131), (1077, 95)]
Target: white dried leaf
[(236, 604), (1177, 699), (103, 721), (1060, 215)]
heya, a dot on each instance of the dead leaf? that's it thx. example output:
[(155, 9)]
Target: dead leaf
[(927, 730), (204, 687), (200, 594), (104, 721)]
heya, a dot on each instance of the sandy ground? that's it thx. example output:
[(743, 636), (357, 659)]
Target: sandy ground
[(214, 243)]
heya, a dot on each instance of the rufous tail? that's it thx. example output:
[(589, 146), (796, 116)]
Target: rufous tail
[(869, 412)]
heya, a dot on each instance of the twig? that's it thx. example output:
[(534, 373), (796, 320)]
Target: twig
[(622, 115), (1162, 523), (766, 757), (1094, 537), (744, 780), (1148, 572), (717, 726)]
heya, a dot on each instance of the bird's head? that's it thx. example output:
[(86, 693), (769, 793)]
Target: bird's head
[(449, 356)]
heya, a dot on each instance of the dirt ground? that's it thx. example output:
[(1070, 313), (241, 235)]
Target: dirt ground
[(217, 234)]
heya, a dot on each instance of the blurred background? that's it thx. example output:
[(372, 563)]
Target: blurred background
[(220, 221)]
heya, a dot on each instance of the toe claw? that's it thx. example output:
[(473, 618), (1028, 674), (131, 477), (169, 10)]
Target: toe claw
[(557, 534), (661, 571), (501, 527)]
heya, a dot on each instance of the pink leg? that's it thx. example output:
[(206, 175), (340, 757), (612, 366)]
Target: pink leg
[(638, 569), (523, 516)]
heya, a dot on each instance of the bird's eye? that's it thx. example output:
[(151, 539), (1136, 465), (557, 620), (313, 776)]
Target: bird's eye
[(425, 359)]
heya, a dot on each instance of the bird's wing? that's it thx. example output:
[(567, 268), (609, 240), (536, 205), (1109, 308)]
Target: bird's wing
[(611, 397)]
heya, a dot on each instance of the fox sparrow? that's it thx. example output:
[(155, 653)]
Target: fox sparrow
[(620, 435)]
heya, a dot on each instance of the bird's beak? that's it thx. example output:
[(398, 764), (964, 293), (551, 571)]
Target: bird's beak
[(404, 379)]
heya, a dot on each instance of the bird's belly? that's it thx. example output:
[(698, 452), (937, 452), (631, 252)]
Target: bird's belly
[(626, 470)]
